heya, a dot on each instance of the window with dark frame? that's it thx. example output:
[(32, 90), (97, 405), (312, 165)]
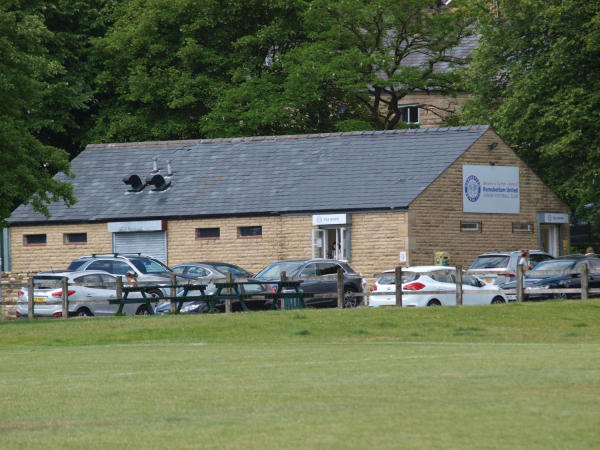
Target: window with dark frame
[(34, 239), (410, 114), (522, 227), (75, 238), (470, 226), (208, 233), (244, 232)]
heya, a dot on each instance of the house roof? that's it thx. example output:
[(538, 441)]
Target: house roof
[(260, 175)]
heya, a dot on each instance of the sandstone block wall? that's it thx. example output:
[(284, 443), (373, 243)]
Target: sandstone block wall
[(434, 107), (11, 282), (438, 210)]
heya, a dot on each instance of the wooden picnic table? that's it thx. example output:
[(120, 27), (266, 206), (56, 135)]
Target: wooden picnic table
[(149, 300)]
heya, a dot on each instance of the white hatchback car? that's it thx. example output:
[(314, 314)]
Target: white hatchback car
[(428, 281)]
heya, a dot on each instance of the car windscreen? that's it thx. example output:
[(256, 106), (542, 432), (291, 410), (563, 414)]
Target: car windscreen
[(554, 264), (230, 268), (274, 270), (42, 282), (491, 262), (147, 266), (75, 265), (390, 278)]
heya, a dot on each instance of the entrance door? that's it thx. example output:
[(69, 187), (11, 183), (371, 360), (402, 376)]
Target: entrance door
[(319, 243), (549, 238)]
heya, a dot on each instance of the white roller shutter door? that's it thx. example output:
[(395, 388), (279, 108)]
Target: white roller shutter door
[(151, 243)]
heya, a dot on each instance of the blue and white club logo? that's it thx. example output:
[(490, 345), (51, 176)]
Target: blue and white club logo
[(319, 219), (472, 188)]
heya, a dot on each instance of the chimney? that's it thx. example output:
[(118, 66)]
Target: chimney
[(169, 171), (155, 165)]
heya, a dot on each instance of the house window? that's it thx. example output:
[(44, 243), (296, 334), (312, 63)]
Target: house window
[(75, 238), (249, 232), (522, 227), (470, 226), (34, 239), (208, 233), (410, 114)]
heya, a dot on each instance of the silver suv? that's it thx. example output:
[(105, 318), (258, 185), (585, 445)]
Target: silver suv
[(494, 262), (146, 268)]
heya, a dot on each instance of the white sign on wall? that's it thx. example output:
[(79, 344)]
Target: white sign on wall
[(330, 219), (555, 218), (131, 227), (491, 189)]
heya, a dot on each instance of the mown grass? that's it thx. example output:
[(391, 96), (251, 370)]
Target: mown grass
[(507, 376)]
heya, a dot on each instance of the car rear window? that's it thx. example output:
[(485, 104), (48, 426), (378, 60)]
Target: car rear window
[(390, 278), (75, 265), (554, 265), (491, 262)]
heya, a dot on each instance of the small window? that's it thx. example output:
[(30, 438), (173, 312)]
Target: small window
[(410, 114), (522, 227), (75, 238), (208, 233), (470, 226), (250, 232), (34, 239)]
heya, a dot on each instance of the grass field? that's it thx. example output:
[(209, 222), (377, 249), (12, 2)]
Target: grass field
[(507, 376)]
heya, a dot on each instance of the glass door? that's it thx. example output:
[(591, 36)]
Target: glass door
[(344, 244), (319, 249)]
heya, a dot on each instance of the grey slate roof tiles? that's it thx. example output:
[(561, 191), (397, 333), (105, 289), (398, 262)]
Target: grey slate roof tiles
[(315, 173)]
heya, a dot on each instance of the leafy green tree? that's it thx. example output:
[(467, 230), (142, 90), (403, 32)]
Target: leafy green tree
[(536, 79), (352, 72), (28, 165), (165, 62)]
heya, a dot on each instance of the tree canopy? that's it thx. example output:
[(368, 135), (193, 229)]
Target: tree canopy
[(536, 79)]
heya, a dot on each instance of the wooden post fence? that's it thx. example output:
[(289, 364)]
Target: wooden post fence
[(584, 282), (30, 298), (282, 278), (173, 293), (459, 289), (519, 283), (228, 279), (398, 276), (340, 289), (65, 298)]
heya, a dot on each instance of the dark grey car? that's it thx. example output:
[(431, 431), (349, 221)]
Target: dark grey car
[(326, 270), (490, 265)]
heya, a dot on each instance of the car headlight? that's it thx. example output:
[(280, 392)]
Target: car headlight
[(190, 308), (545, 286)]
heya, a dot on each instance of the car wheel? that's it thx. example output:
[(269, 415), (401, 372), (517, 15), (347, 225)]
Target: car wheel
[(154, 294), (83, 312), (142, 311), (497, 301), (350, 300), (560, 296), (434, 302)]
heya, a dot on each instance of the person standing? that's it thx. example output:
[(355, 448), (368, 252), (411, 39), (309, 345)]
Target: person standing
[(132, 278), (524, 261), (590, 251), (334, 251)]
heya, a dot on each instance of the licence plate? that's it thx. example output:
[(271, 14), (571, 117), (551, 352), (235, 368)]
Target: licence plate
[(487, 280), (511, 297), (39, 299)]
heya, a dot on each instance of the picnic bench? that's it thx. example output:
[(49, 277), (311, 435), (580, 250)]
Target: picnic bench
[(149, 300), (292, 300)]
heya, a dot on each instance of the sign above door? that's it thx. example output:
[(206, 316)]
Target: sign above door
[(331, 219)]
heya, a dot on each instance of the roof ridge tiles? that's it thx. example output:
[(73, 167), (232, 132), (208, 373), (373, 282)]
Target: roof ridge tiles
[(238, 140)]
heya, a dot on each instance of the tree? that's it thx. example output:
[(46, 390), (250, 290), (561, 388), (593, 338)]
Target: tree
[(536, 79), (352, 72), (165, 62), (28, 164)]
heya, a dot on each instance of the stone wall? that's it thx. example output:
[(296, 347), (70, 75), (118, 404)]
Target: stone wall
[(433, 106), (438, 211), (10, 291), (56, 254)]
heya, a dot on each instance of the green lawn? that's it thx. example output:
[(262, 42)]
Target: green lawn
[(507, 376)]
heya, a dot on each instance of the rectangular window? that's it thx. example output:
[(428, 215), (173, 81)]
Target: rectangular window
[(34, 239), (522, 227), (249, 232), (410, 114), (75, 238), (470, 226), (208, 233)]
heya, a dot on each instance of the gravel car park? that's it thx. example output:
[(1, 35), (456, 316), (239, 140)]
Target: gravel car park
[(47, 288)]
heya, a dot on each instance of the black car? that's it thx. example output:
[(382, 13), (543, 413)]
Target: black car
[(326, 270), (535, 280), (202, 307)]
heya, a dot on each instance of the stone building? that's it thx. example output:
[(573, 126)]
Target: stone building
[(386, 197)]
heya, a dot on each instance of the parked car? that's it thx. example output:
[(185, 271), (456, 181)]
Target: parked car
[(326, 270), (146, 268), (439, 278), (534, 280), (492, 262), (201, 307), (208, 270), (47, 289)]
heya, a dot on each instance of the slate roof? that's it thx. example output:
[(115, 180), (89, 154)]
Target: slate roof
[(260, 175)]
